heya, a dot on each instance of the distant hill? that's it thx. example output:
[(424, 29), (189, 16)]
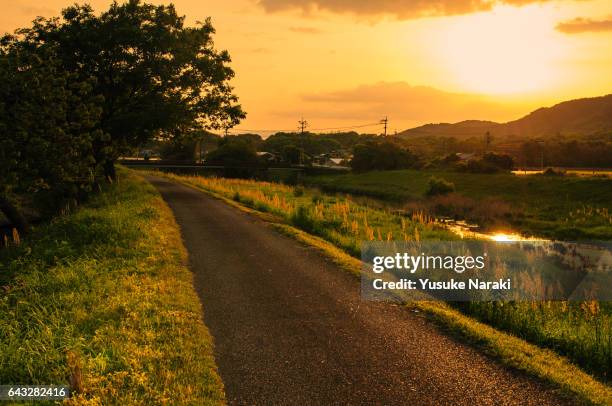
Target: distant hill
[(575, 117)]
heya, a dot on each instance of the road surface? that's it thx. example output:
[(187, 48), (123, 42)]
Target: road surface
[(290, 327)]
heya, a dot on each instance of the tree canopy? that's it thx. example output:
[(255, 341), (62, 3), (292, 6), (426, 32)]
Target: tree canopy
[(382, 155), (92, 87)]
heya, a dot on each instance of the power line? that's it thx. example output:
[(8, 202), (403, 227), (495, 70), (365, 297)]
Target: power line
[(346, 127), (261, 130)]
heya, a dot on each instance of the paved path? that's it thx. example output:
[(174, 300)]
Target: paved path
[(290, 327)]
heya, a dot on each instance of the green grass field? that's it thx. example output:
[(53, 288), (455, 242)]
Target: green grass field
[(582, 331), (102, 298), (567, 207)]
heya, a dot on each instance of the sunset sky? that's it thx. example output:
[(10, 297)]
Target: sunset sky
[(348, 63)]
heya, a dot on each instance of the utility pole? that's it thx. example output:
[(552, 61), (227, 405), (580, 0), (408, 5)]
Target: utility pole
[(302, 126), (385, 121)]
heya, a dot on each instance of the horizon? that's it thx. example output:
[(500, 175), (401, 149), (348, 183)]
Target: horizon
[(424, 65)]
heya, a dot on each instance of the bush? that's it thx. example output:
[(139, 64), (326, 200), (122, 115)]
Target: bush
[(233, 154), (489, 163), (293, 155), (438, 186), (47, 132), (316, 199), (383, 156), (302, 219), (298, 192)]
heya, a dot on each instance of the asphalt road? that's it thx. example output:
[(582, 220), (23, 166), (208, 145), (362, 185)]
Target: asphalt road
[(290, 327)]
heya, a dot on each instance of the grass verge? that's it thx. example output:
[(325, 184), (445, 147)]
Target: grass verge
[(103, 299), (510, 350)]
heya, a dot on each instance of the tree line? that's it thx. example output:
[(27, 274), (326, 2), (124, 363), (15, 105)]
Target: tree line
[(79, 90), (369, 150)]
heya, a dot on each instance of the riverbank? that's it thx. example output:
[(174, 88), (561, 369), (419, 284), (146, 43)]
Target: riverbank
[(557, 207)]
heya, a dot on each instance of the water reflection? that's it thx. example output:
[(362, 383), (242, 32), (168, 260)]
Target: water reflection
[(470, 231)]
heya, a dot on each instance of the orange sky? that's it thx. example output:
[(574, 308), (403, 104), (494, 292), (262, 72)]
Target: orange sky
[(343, 63)]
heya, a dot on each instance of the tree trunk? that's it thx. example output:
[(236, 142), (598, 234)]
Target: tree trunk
[(109, 170), (13, 215)]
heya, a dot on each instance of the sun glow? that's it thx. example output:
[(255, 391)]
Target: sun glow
[(507, 50), (505, 237)]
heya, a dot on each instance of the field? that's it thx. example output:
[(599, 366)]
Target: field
[(580, 331), (564, 207), (102, 299)]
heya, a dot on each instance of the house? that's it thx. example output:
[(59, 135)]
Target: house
[(465, 156), (328, 160), (268, 156), (336, 162)]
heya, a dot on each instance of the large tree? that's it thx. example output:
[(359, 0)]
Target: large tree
[(79, 90), (158, 77)]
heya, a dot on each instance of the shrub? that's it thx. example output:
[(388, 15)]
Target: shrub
[(298, 192), (292, 155), (383, 156), (489, 163), (303, 220), (234, 154), (438, 186)]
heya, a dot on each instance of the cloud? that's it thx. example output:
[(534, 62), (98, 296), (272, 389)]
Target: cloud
[(406, 105), (580, 25), (306, 30), (403, 10)]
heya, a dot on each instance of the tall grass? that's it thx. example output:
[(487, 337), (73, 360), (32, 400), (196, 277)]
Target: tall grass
[(565, 207), (581, 331), (339, 220), (102, 299)]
